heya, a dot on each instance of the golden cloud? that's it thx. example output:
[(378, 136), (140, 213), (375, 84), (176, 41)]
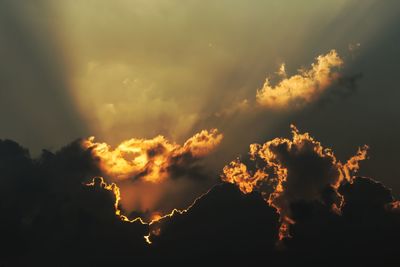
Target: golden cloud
[(99, 182), (151, 160), (304, 87), (292, 170)]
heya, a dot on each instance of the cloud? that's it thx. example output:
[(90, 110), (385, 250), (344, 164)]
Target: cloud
[(151, 160), (303, 88), (290, 170), (48, 214), (394, 206), (222, 224), (365, 233), (144, 174), (98, 182)]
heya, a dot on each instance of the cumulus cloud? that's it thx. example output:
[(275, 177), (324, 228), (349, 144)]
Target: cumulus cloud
[(237, 224), (365, 233), (304, 87), (49, 213), (290, 170), (144, 173), (46, 213), (151, 160)]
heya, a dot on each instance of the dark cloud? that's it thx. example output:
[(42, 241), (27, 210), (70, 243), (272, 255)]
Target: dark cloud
[(224, 224), (186, 165), (345, 87), (364, 234), (49, 217), (291, 170)]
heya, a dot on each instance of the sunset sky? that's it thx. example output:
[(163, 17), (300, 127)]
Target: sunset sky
[(124, 69), (157, 88)]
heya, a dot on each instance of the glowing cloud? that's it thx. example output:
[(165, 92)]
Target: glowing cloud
[(394, 206), (292, 170), (114, 189), (301, 88), (151, 160), (155, 229)]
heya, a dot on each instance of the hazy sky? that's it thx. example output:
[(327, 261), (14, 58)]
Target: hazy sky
[(122, 69)]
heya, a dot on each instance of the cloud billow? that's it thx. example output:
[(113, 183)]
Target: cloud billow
[(49, 215)]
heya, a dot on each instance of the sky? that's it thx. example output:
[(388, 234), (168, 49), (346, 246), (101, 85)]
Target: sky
[(127, 69), (171, 97)]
